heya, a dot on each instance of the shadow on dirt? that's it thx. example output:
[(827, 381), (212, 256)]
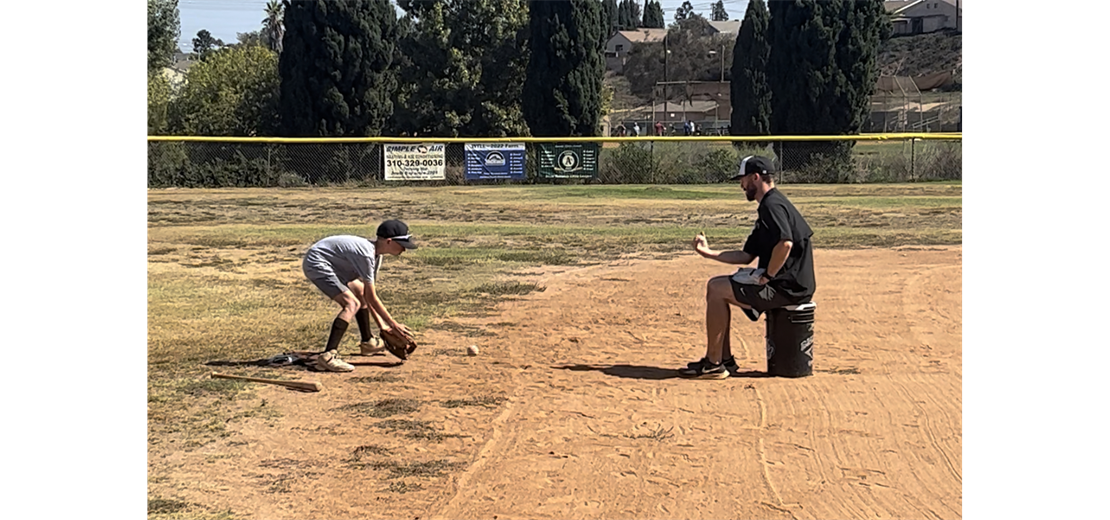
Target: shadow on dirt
[(643, 372)]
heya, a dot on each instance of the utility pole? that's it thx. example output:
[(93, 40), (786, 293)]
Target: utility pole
[(666, 55), (722, 63)]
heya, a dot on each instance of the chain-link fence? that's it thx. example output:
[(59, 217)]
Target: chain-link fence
[(229, 163)]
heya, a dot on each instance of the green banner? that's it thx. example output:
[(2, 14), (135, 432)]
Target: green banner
[(568, 161)]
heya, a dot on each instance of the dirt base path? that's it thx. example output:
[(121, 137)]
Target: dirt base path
[(596, 425)]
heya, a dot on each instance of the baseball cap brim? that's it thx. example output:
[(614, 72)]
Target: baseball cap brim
[(406, 243)]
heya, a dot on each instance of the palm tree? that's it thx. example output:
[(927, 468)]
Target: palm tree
[(272, 29)]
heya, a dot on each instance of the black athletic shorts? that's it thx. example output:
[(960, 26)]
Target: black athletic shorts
[(762, 298)]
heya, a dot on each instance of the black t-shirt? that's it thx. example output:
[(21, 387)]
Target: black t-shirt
[(779, 220)]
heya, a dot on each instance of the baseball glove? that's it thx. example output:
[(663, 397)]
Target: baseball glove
[(398, 343)]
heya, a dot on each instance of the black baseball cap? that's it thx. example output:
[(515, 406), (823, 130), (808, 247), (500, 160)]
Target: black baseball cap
[(754, 164), (398, 232)]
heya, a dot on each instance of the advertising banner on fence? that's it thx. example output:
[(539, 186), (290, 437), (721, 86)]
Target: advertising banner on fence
[(415, 162), (568, 161), (495, 161)]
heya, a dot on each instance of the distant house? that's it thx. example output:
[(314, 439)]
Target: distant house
[(176, 78), (621, 43), (724, 28), (924, 16)]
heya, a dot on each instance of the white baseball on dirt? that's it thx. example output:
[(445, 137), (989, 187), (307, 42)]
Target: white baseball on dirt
[(472, 350)]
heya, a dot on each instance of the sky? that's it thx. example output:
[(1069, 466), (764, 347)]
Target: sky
[(225, 18)]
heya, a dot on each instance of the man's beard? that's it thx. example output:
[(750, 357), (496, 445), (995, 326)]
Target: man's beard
[(750, 194)]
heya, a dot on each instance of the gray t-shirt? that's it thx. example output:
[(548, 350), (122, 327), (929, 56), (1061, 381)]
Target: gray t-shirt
[(350, 257)]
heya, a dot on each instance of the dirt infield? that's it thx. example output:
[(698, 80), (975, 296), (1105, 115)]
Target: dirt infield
[(573, 410)]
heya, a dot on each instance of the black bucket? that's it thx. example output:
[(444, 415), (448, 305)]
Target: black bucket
[(790, 340)]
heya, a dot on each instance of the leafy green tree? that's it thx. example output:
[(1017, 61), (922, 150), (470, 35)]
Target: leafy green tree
[(249, 38), (683, 12), (629, 15), (821, 72), (204, 44), (751, 97), (610, 12), (562, 86), (157, 103), (653, 15), (462, 68), (232, 93), (719, 13), (337, 67), (163, 28), (864, 25)]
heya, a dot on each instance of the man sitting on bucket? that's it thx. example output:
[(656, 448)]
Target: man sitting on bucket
[(784, 276)]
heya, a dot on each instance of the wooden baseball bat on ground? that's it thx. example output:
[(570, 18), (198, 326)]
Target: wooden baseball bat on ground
[(304, 386)]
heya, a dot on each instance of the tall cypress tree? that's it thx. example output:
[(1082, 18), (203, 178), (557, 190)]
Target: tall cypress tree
[(863, 27), (562, 87), (802, 76), (719, 13), (801, 64), (337, 67), (624, 16), (821, 73), (609, 12), (751, 97), (653, 15)]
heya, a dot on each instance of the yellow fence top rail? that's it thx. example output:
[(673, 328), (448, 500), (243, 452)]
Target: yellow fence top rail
[(953, 136)]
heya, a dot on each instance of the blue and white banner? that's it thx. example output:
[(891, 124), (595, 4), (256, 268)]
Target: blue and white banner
[(494, 161)]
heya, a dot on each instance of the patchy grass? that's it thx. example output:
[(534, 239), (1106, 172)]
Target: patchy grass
[(383, 408), (415, 429), (377, 378), (911, 201), (462, 256), (626, 191), (169, 509), (484, 401), (165, 506), (225, 388), (428, 469), (372, 449), (507, 288)]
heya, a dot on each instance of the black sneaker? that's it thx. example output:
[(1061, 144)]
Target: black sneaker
[(729, 363), (703, 369)]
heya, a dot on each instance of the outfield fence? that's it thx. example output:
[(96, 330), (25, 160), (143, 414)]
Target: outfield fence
[(196, 162)]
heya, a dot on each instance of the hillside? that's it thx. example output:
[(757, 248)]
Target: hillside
[(921, 54), (917, 55)]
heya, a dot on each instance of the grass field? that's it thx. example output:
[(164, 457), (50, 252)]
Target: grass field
[(224, 279)]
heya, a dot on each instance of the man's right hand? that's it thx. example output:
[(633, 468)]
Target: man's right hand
[(701, 245)]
